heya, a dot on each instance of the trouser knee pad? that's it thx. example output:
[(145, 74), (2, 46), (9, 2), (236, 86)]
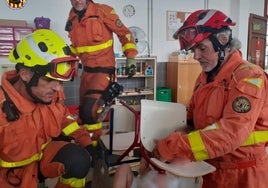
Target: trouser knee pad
[(76, 161), (86, 110)]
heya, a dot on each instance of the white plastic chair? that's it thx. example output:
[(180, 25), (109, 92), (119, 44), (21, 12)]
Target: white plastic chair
[(158, 119)]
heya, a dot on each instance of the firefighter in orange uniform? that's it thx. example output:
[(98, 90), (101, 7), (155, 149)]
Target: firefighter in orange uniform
[(90, 27), (228, 109), (32, 114)]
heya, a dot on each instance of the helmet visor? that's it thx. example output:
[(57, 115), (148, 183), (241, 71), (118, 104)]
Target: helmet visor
[(62, 70)]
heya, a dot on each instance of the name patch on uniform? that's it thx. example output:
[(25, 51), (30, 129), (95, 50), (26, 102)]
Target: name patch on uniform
[(119, 23), (241, 105)]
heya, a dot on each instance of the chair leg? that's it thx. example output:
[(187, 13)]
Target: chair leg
[(135, 144)]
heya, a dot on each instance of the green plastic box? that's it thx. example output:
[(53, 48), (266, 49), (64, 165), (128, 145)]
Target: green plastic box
[(163, 94)]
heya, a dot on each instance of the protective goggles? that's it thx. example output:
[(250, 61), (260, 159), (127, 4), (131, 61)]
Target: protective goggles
[(62, 69), (187, 34)]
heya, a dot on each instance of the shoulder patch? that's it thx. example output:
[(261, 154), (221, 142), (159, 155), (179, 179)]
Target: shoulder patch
[(119, 23), (254, 81), (241, 105)]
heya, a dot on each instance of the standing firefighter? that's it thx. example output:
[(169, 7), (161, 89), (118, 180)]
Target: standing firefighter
[(228, 109), (91, 27), (32, 114)]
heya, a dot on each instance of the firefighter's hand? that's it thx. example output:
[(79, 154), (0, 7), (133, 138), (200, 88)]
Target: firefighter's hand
[(155, 153), (131, 67)]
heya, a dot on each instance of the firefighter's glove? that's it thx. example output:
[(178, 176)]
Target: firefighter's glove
[(131, 67), (53, 169)]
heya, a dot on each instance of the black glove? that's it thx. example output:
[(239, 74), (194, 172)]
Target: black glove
[(131, 67)]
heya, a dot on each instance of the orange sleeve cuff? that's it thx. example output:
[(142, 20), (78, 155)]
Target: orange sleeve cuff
[(84, 140)]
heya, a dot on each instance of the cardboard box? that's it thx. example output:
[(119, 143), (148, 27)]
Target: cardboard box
[(6, 22)]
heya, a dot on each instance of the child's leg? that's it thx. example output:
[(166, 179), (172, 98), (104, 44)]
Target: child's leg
[(123, 177)]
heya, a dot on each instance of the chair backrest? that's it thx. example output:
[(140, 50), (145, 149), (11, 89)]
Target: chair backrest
[(158, 119)]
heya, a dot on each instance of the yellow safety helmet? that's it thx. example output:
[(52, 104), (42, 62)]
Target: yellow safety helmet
[(45, 51)]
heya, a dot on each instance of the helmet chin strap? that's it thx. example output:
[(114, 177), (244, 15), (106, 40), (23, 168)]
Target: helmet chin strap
[(218, 47), (33, 82), (80, 13), (38, 72)]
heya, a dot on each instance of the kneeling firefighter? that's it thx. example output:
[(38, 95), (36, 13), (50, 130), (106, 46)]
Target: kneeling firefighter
[(32, 113)]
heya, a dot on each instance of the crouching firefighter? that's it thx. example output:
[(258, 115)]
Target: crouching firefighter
[(32, 113)]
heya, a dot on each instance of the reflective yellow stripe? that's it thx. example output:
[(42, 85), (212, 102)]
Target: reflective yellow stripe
[(254, 81), (70, 128), (197, 145), (112, 12), (256, 137), (199, 149), (128, 46), (85, 49), (35, 157), (92, 127), (74, 182), (45, 145)]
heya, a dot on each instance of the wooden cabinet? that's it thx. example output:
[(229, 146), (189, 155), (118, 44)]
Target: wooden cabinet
[(142, 85), (181, 77)]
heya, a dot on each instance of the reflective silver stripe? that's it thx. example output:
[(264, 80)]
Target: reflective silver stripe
[(207, 17), (37, 51)]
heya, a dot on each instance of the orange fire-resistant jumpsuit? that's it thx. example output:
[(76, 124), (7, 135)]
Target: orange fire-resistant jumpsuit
[(92, 40), (27, 142), (231, 126)]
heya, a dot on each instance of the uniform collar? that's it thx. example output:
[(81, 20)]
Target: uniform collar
[(229, 65)]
